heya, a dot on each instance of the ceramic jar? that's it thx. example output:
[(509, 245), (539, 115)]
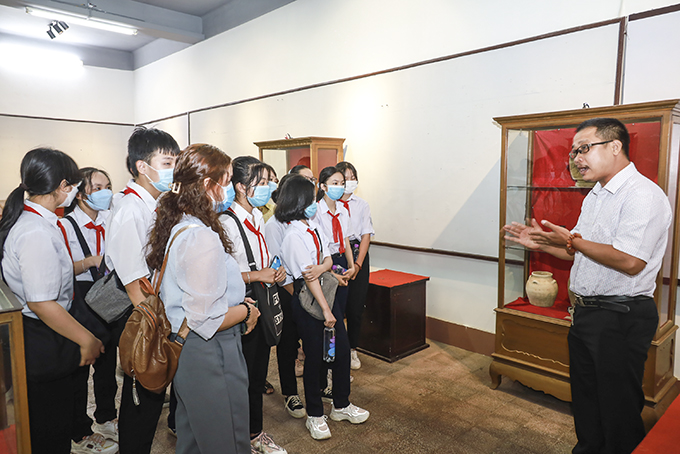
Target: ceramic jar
[(541, 289)]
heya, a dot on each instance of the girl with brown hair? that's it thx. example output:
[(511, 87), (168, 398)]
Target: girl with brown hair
[(203, 284)]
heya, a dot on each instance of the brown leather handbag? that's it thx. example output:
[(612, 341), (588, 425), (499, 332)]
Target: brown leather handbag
[(147, 352)]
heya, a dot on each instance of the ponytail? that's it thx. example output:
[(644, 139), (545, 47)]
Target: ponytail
[(42, 171)]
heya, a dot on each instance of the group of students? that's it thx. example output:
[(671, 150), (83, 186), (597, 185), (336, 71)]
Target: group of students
[(208, 207)]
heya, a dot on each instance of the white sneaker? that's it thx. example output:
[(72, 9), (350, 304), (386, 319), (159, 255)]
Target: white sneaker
[(318, 427), (351, 413), (264, 444), (109, 429), (354, 362), (94, 444)]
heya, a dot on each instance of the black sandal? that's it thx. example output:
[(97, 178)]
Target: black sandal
[(268, 388)]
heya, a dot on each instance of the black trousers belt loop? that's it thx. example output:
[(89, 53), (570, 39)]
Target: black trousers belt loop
[(608, 302)]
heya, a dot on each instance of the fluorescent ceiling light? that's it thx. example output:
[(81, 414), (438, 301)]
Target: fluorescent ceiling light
[(82, 20)]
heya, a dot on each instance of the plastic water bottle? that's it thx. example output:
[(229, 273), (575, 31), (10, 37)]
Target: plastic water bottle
[(355, 251), (329, 344)]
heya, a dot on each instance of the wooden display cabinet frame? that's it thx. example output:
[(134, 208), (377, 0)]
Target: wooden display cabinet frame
[(313, 143), (532, 349)]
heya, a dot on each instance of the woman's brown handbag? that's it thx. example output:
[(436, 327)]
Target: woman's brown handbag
[(147, 354)]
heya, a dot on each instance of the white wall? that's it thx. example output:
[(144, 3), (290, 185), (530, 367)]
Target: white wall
[(89, 94)]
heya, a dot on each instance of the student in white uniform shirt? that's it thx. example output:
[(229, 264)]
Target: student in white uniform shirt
[(151, 159), (361, 231), (287, 348), (88, 213), (305, 255), (203, 285), (333, 219), (250, 179), (37, 267)]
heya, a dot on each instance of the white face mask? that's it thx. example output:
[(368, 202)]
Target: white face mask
[(351, 186), (71, 195)]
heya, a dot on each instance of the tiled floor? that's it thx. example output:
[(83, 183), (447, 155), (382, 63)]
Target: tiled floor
[(435, 401)]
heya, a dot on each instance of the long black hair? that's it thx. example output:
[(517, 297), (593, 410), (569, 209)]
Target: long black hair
[(42, 171), (295, 195), (325, 174), (248, 171)]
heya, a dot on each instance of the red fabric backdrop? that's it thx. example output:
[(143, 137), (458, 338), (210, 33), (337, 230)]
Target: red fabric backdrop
[(555, 198)]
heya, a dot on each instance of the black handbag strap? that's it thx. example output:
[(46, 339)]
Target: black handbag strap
[(246, 243), (83, 246)]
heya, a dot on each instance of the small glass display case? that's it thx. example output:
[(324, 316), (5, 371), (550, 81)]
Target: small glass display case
[(313, 152), (14, 430), (538, 180)]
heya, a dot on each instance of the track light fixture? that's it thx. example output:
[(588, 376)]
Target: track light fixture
[(56, 26)]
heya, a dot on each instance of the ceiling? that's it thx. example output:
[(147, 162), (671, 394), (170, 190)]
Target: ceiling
[(164, 26)]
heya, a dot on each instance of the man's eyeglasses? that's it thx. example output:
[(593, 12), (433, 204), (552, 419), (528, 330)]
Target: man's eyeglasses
[(312, 179), (585, 148)]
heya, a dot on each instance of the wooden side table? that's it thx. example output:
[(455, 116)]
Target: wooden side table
[(393, 324)]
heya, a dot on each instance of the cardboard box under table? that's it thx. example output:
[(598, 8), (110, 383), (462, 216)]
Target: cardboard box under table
[(393, 324)]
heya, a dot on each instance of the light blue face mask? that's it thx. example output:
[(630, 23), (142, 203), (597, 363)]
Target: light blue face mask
[(310, 211), (260, 196), (100, 200), (335, 192), (165, 179), (228, 195), (273, 186)]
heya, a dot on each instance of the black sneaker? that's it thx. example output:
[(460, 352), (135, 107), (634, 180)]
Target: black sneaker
[(327, 395), (294, 406)]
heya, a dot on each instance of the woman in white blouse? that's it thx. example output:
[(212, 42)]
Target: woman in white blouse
[(37, 267), (202, 284)]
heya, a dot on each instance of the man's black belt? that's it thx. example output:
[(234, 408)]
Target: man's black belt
[(610, 303)]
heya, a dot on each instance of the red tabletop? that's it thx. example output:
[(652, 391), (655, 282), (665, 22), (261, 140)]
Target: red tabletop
[(391, 278)]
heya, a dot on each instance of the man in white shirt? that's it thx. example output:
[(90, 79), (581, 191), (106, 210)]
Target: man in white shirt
[(617, 246), (151, 159)]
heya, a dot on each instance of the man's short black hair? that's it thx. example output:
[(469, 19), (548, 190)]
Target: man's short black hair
[(144, 142), (609, 129)]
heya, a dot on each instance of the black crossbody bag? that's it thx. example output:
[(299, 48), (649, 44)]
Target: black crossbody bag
[(271, 314)]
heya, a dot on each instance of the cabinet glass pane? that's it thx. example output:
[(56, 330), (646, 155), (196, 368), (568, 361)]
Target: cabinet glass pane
[(278, 159), (8, 439), (327, 157), (518, 164), (669, 281)]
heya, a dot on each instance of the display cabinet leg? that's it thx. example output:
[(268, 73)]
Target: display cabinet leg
[(495, 376)]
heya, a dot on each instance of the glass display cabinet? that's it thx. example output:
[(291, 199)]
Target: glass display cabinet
[(539, 181), (14, 430), (313, 152)]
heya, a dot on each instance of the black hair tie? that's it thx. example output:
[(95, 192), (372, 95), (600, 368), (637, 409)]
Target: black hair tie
[(23, 186)]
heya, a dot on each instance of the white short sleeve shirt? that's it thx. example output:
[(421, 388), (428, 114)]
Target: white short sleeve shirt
[(258, 244), (632, 214), (90, 236), (36, 264), (324, 218)]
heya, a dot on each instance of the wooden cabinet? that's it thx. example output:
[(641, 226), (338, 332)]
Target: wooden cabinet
[(313, 152), (14, 430), (393, 324), (538, 181)]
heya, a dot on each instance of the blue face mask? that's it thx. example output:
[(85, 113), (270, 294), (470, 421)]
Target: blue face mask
[(260, 196), (100, 200), (310, 211), (228, 195), (165, 179), (335, 192), (273, 186)]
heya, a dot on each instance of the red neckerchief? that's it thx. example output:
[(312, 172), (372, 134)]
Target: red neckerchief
[(61, 227), (346, 203), (129, 190), (100, 234), (337, 232), (318, 246), (260, 242)]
